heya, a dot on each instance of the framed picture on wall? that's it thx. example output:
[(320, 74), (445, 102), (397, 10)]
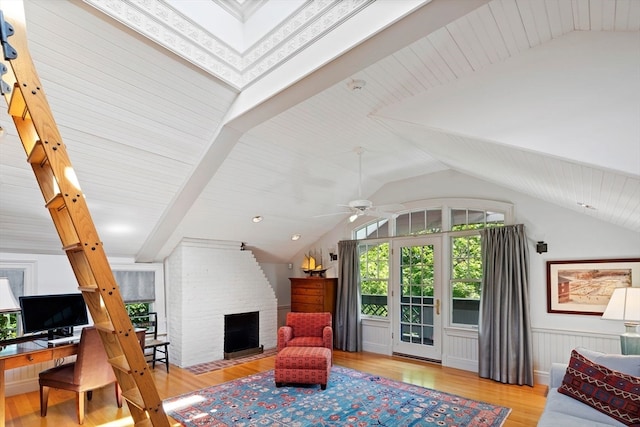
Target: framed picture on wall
[(585, 286)]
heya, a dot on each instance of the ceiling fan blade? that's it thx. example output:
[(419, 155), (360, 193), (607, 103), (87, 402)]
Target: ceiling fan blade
[(331, 214)]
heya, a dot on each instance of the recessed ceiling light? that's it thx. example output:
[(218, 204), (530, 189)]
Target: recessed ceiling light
[(256, 218), (586, 206), (295, 236)]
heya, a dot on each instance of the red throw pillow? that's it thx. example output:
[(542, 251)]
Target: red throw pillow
[(611, 392)]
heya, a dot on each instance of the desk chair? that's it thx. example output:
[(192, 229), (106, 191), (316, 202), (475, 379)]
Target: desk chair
[(156, 350), (90, 371)]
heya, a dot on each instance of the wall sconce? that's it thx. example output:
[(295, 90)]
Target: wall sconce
[(541, 247), (333, 257)]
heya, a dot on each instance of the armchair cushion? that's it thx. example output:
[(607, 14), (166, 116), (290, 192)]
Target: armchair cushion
[(306, 330)]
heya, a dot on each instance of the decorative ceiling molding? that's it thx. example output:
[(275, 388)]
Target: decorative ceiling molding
[(159, 22), (242, 11)]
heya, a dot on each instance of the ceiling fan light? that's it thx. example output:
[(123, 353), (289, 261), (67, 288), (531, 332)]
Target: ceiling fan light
[(353, 217)]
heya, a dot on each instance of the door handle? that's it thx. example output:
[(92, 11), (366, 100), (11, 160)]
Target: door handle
[(438, 307)]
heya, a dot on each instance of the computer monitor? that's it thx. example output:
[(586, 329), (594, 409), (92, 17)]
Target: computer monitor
[(56, 314)]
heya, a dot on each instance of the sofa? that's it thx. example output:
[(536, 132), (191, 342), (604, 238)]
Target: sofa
[(568, 411)]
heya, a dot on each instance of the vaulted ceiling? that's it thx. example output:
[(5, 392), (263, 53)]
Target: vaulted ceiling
[(177, 128)]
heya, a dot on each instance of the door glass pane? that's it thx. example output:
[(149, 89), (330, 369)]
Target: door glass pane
[(416, 301), (427, 333), (427, 315)]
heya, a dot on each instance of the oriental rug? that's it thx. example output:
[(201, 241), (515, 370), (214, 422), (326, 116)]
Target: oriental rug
[(352, 398)]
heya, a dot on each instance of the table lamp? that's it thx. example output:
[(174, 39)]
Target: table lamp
[(625, 305), (8, 302)]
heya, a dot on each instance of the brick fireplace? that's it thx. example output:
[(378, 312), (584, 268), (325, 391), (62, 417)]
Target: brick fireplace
[(206, 280)]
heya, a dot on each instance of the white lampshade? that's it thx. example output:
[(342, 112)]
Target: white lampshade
[(624, 305), (8, 302)]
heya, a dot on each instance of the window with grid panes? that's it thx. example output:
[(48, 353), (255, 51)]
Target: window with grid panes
[(419, 222), (374, 278), (466, 262)]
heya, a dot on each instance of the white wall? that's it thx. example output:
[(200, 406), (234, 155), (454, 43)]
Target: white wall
[(278, 276)]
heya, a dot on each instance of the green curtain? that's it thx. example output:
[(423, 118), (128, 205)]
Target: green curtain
[(504, 330), (348, 331)]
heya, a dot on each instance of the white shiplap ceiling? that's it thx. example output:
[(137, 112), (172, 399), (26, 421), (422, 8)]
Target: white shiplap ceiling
[(542, 97)]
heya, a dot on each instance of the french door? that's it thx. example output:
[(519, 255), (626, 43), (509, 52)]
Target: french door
[(416, 295)]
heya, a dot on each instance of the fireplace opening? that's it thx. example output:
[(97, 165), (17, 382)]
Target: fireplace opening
[(242, 334)]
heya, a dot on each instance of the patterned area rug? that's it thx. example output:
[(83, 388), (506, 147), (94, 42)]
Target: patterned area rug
[(352, 398), (203, 368)]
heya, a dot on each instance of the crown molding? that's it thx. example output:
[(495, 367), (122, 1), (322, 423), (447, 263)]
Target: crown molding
[(242, 11), (158, 21)]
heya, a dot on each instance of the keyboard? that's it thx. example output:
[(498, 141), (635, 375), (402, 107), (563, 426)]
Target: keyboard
[(64, 340)]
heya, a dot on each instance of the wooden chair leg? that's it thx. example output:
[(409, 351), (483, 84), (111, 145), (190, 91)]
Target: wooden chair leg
[(166, 357), (80, 407), (153, 363), (44, 400), (118, 395)]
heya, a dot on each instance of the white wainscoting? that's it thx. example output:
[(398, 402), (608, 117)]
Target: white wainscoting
[(459, 350), (460, 346), (553, 345), (376, 336), (25, 380)]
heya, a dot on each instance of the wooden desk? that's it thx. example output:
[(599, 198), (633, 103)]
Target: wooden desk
[(25, 354)]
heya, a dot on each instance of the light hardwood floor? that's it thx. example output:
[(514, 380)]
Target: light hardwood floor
[(526, 402)]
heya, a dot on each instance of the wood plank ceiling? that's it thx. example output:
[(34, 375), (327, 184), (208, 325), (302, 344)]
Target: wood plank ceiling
[(160, 155)]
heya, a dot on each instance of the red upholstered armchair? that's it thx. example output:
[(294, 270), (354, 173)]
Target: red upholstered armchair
[(306, 330)]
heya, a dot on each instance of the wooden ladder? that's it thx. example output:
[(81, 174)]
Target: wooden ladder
[(66, 203)]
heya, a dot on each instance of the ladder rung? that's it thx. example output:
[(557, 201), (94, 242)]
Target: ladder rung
[(56, 202), (133, 395), (17, 105), (120, 363), (37, 154), (88, 288), (74, 247), (105, 327)]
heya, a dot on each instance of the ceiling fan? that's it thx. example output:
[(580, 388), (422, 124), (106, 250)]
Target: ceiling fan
[(363, 207)]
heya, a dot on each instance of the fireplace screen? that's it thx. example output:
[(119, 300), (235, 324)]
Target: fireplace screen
[(241, 334)]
